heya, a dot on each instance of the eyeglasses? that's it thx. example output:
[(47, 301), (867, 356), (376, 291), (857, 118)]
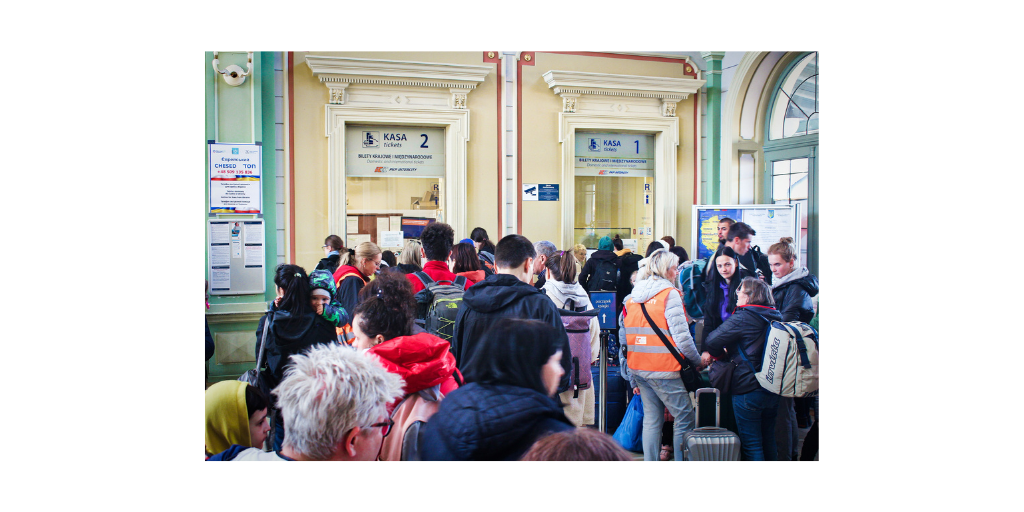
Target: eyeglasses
[(324, 247), (386, 426)]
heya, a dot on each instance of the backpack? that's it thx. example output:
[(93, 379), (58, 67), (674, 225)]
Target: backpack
[(486, 263), (691, 283), (789, 366), (438, 303), (577, 327), (605, 277)]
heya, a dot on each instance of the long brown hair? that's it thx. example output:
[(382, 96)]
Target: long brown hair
[(465, 258), (577, 444)]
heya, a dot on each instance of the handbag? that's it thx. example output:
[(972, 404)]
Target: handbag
[(252, 377), (687, 372), (720, 374)]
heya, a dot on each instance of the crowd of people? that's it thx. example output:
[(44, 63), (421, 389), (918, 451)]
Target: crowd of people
[(482, 351)]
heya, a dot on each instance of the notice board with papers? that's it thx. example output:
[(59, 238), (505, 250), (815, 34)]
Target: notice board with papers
[(236, 256)]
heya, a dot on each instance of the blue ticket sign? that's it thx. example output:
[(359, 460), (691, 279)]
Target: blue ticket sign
[(604, 303), (548, 191)]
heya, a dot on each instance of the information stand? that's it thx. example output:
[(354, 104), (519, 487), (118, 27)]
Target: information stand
[(236, 250), (604, 303), (770, 221)]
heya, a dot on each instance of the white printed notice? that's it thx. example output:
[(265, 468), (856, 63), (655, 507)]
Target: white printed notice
[(389, 151), (235, 171), (236, 249), (220, 233), (220, 279), (770, 225), (252, 232), (253, 256), (220, 255), (391, 239), (614, 154)]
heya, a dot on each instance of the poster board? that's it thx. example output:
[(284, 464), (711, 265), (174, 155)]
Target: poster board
[(770, 221), (236, 252), (234, 178)]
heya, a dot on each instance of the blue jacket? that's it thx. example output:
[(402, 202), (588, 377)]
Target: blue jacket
[(490, 422)]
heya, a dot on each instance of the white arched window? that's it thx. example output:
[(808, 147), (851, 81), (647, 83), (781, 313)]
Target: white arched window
[(791, 149)]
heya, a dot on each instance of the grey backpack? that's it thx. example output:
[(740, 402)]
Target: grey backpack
[(438, 303)]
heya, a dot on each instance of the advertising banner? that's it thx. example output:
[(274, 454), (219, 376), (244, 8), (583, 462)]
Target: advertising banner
[(235, 172), (392, 151)]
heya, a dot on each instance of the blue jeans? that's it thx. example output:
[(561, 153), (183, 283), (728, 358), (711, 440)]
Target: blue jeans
[(658, 394), (755, 420)]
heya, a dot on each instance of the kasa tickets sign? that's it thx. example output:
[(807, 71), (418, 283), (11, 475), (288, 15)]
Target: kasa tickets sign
[(614, 154), (394, 151)]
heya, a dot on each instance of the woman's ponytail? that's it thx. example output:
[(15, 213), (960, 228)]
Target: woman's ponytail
[(293, 279), (784, 248)]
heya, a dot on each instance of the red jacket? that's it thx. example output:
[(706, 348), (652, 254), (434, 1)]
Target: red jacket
[(474, 276), (422, 360), (438, 271)]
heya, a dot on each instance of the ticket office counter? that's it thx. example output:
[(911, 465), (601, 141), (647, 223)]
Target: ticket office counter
[(614, 188)]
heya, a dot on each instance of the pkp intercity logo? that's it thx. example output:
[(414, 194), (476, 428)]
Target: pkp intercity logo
[(371, 139), (381, 169)]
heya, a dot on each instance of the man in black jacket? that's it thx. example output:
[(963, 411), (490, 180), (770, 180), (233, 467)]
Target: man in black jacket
[(738, 239), (507, 294)]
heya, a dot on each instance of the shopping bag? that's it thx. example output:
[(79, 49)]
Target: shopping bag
[(630, 432)]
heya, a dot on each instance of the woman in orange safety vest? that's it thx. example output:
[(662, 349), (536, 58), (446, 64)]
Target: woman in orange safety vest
[(654, 371)]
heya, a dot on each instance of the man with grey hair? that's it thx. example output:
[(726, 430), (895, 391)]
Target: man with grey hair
[(545, 250), (334, 404)]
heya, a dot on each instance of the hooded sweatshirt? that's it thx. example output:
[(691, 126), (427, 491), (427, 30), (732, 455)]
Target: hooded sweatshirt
[(421, 360), (227, 418), (333, 312), (504, 296), (792, 294), (679, 331)]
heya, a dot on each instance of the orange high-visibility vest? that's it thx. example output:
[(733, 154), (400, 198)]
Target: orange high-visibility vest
[(644, 349)]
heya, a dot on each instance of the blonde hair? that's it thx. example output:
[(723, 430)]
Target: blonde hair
[(658, 264), (579, 249), (362, 252), (784, 248), (411, 253)]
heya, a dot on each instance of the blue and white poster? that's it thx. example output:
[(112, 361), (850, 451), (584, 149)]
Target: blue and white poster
[(548, 191), (614, 154)]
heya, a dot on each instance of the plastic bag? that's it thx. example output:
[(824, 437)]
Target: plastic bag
[(630, 432)]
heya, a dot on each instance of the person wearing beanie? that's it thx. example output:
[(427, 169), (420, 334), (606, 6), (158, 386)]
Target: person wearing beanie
[(323, 300), (602, 259)]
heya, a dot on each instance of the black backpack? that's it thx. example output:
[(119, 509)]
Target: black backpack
[(604, 278)]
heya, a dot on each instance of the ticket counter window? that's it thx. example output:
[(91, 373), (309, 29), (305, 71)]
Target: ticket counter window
[(392, 172), (614, 188)]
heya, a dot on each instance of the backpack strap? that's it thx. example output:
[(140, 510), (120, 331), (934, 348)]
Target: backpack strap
[(424, 278)]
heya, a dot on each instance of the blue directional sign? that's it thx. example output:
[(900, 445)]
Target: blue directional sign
[(604, 303)]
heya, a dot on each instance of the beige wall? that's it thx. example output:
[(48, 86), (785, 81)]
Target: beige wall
[(541, 156), (311, 193)]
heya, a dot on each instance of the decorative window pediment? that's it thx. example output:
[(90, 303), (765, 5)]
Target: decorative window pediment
[(572, 85), (453, 81)]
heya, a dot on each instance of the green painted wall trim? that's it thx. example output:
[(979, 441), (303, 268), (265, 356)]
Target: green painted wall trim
[(714, 127)]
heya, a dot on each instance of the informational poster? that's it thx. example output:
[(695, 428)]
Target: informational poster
[(220, 279), (390, 238), (530, 192), (220, 255), (629, 243), (396, 223), (614, 154), (220, 233), (388, 151), (253, 255), (355, 239), (547, 191), (252, 233), (770, 221), (235, 173), (352, 224), (383, 224)]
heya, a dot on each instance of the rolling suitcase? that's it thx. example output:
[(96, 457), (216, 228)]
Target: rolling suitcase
[(616, 396), (710, 443)]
